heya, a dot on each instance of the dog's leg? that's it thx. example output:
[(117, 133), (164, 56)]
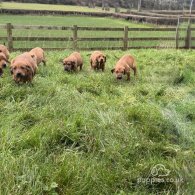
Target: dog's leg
[(81, 66), (135, 71), (76, 69), (91, 64), (93, 68), (103, 67), (30, 80), (128, 76), (44, 62), (44, 59), (98, 66)]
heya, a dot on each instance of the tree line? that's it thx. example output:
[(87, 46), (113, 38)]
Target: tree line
[(129, 4)]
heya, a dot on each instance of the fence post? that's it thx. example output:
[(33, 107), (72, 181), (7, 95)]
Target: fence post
[(75, 37), (177, 34), (125, 39), (9, 36), (177, 38), (188, 38)]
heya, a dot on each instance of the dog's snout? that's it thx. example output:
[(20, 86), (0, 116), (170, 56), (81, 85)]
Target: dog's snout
[(18, 74), (119, 77), (66, 68), (4, 65)]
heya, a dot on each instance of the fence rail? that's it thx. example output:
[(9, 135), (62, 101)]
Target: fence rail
[(125, 40)]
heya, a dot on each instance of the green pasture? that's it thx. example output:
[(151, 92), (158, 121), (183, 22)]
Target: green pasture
[(87, 133), (36, 6)]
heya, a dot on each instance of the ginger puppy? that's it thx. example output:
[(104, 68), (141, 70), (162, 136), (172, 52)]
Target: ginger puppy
[(3, 63), (4, 50), (97, 60), (124, 66), (39, 54), (72, 62), (23, 68)]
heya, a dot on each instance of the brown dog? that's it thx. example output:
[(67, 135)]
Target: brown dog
[(124, 65), (98, 60), (39, 54), (72, 62), (3, 62), (23, 68), (4, 50)]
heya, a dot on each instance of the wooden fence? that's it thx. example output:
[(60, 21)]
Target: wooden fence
[(75, 39)]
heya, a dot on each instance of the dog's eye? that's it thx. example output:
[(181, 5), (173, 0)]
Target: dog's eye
[(22, 67), (14, 68)]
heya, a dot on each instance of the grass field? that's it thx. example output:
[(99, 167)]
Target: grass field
[(34, 6), (81, 21), (67, 21), (87, 133)]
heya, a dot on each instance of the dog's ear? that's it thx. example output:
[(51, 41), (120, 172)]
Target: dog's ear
[(105, 58), (33, 57), (73, 64), (12, 61), (112, 71), (7, 61), (11, 70), (29, 68)]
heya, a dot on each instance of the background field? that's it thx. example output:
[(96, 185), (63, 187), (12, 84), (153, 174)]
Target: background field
[(87, 133), (34, 6), (67, 21)]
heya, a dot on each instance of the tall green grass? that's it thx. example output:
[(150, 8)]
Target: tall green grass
[(86, 133)]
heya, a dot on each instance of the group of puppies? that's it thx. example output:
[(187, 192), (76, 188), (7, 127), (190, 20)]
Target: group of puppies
[(74, 62), (24, 67)]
